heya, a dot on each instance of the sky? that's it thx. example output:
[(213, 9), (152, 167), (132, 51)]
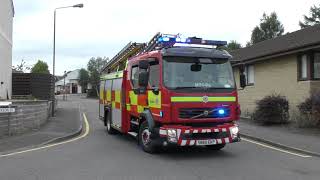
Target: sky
[(103, 27)]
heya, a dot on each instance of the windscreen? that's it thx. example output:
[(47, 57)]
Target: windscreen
[(202, 73)]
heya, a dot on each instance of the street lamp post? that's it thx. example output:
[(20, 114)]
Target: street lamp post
[(64, 86), (54, 46)]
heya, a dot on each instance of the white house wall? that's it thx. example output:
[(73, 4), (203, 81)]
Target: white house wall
[(6, 20), (79, 89)]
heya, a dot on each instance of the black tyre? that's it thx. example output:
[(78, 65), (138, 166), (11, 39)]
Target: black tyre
[(144, 139), (216, 147), (110, 129)]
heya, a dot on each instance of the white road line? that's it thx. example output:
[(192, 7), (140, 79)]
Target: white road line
[(274, 148), (87, 129)]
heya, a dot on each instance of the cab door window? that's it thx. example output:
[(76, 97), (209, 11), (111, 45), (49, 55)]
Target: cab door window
[(154, 74), (135, 77)]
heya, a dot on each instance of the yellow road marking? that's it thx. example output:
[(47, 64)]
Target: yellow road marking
[(87, 129), (274, 148)]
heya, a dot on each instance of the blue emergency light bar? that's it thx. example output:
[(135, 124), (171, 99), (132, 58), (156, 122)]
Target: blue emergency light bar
[(169, 39)]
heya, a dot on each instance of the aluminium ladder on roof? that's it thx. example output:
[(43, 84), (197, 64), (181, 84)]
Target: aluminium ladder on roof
[(152, 44), (131, 49)]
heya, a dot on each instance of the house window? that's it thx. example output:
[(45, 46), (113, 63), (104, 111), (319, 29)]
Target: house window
[(303, 68), (316, 66), (249, 71)]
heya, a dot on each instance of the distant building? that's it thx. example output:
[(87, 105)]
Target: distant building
[(71, 82), (289, 65), (6, 20)]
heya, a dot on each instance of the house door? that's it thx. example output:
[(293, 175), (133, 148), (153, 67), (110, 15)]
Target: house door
[(74, 89)]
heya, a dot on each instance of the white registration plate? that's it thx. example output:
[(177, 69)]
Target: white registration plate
[(206, 142), (7, 110)]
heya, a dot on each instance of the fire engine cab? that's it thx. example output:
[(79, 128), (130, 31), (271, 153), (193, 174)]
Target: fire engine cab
[(171, 91)]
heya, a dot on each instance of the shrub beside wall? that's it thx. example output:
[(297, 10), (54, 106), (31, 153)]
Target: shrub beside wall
[(309, 111), (273, 109)]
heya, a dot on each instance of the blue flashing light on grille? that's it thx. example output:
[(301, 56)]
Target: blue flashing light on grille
[(221, 111)]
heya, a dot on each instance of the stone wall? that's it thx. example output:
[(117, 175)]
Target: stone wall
[(29, 115)]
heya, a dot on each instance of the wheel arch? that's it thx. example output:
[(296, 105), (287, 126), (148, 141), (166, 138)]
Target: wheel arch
[(107, 111), (146, 115)]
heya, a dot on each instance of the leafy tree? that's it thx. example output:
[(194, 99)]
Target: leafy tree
[(21, 68), (94, 67), (233, 45), (313, 19), (40, 67), (270, 27), (83, 78)]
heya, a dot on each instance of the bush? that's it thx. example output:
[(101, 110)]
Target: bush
[(273, 109), (92, 93), (310, 111)]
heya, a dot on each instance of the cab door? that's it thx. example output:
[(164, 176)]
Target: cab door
[(154, 91)]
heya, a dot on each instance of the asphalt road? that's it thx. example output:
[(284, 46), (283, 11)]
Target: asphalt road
[(100, 156)]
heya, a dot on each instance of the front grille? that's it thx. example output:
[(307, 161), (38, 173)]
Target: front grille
[(201, 113), (212, 135)]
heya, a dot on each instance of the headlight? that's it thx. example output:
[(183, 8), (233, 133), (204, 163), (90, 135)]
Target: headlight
[(172, 135), (234, 132)]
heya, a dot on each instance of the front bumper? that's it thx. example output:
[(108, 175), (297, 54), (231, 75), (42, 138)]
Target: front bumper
[(191, 136)]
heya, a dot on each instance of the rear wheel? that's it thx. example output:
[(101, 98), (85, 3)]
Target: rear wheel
[(216, 147), (110, 129), (145, 141)]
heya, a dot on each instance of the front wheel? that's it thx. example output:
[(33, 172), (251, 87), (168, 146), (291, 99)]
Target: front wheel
[(216, 147), (144, 138)]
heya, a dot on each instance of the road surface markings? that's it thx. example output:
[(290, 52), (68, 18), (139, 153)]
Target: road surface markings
[(274, 148), (87, 129)]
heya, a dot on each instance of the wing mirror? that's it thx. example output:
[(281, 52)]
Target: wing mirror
[(143, 78)]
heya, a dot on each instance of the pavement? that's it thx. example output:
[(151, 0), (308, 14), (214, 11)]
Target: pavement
[(66, 124), (303, 140), (99, 156)]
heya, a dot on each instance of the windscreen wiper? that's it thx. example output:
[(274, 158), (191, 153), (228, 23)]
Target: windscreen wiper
[(220, 88), (185, 87)]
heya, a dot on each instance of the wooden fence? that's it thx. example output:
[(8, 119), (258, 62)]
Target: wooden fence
[(39, 86)]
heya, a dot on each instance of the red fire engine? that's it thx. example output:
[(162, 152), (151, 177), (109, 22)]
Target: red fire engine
[(171, 91)]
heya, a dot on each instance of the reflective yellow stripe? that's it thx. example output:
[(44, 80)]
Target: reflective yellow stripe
[(114, 75), (154, 100), (133, 98), (201, 99), (113, 104), (117, 96), (101, 94), (140, 109), (128, 107), (108, 95)]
